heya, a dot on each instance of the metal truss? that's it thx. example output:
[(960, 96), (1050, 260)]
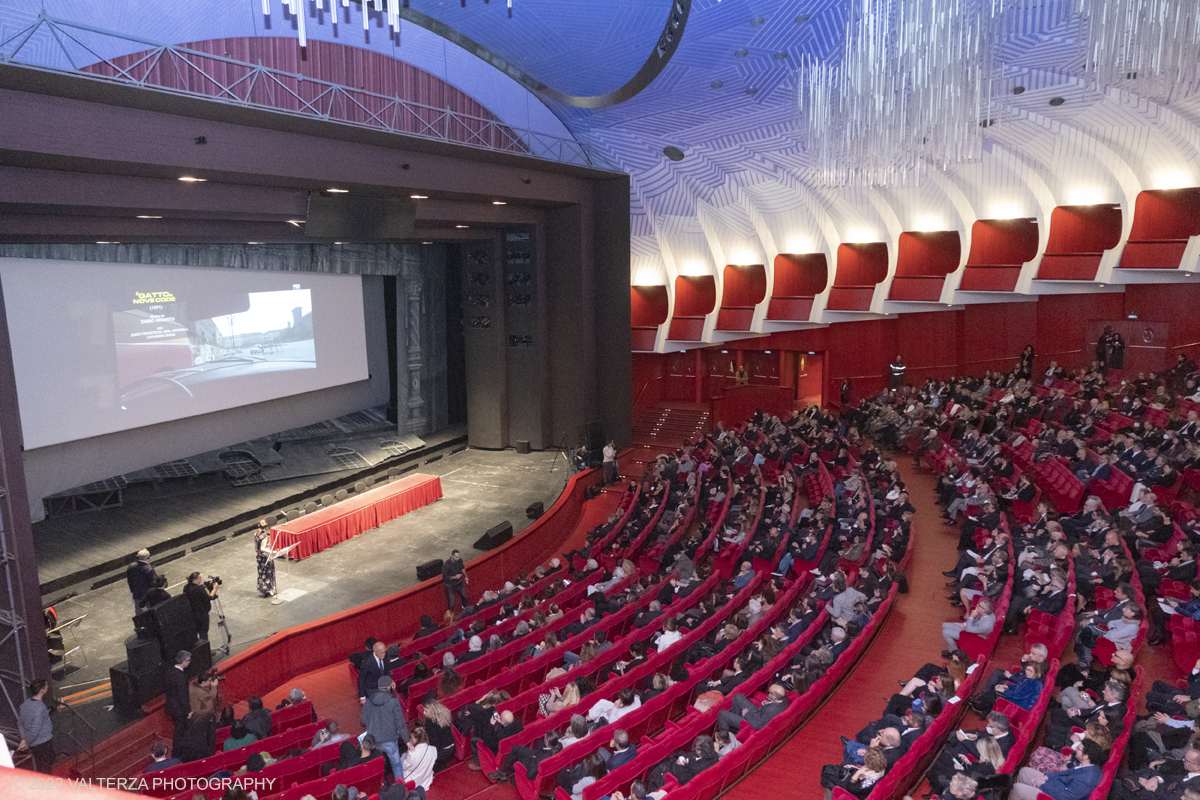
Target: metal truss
[(167, 68)]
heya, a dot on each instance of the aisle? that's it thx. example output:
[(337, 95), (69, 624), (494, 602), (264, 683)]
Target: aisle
[(910, 637)]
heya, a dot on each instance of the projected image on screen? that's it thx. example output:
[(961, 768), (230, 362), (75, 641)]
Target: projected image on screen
[(126, 345), (161, 352)]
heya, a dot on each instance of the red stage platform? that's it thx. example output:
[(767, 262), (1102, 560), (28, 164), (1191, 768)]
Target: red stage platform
[(329, 526)]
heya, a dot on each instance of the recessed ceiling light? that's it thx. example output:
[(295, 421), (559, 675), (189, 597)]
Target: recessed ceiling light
[(672, 152), (750, 90), (757, 21), (190, 179), (499, 203), (1018, 90), (338, 191), (717, 84), (742, 53), (419, 196), (987, 123), (149, 216), (1057, 101), (462, 226), (802, 18), (781, 55)]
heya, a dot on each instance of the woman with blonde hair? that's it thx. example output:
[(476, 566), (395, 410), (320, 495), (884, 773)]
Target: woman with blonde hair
[(437, 722)]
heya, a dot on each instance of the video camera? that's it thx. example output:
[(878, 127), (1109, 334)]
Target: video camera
[(213, 580)]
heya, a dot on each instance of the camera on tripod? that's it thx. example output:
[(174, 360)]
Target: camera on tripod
[(213, 580)]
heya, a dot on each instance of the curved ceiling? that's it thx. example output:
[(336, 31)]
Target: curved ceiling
[(745, 189)]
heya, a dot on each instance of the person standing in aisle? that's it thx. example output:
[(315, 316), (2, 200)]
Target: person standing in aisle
[(37, 732), (610, 463)]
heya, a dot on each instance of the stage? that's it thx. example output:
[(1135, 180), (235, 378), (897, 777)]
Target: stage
[(481, 488)]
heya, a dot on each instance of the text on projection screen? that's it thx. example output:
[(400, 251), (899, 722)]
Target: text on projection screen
[(100, 348)]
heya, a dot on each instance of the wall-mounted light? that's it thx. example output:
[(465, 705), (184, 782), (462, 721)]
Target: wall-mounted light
[(1133, 316), (418, 197), (1173, 179), (800, 244), (1005, 211), (930, 223), (190, 179), (1086, 196), (693, 268), (860, 235), (149, 216), (338, 191)]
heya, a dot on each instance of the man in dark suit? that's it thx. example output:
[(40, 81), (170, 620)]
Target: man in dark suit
[(367, 652), (622, 751), (371, 670), (1076, 781), (454, 579), (140, 576), (756, 716), (178, 701)]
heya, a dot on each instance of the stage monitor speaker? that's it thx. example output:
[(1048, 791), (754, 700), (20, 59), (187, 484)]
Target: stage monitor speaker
[(430, 569), (495, 537), (535, 510), (143, 655), (134, 691), (523, 446), (359, 217)]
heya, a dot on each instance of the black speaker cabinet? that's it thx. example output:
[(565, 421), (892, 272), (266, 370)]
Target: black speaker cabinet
[(143, 655), (430, 569), (176, 628), (535, 510), (201, 652), (134, 691), (523, 447), (495, 537)]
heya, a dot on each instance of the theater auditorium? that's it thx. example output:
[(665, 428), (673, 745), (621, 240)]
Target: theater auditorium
[(605, 400)]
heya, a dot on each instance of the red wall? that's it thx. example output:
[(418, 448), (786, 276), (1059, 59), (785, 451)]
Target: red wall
[(968, 341)]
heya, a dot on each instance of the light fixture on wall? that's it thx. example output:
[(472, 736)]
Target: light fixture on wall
[(1173, 179), (860, 235), (1004, 211), (800, 244), (930, 223)]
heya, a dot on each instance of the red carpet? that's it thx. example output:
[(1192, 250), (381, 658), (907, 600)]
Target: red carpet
[(910, 638)]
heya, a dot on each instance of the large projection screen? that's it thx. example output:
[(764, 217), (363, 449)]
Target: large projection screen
[(100, 347)]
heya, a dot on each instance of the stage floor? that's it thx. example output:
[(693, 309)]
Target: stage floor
[(481, 489)]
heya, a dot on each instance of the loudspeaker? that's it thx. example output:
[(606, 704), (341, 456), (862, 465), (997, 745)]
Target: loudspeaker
[(201, 657), (535, 510), (142, 655), (523, 446), (134, 691), (495, 537), (430, 569), (176, 627)]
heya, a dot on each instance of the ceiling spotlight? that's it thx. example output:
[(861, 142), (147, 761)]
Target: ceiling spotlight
[(757, 21), (781, 55), (149, 216), (742, 53), (750, 90), (717, 84), (1057, 101), (499, 203), (190, 179), (672, 152), (1018, 90), (802, 18), (338, 191), (419, 196)]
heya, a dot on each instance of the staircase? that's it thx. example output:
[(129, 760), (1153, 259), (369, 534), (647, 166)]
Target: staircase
[(663, 428)]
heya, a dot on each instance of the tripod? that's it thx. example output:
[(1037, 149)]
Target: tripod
[(224, 626), (561, 450)]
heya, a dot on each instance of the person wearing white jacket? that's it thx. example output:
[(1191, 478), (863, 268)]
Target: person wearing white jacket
[(420, 759)]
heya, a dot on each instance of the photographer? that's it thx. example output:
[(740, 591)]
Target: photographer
[(200, 595)]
